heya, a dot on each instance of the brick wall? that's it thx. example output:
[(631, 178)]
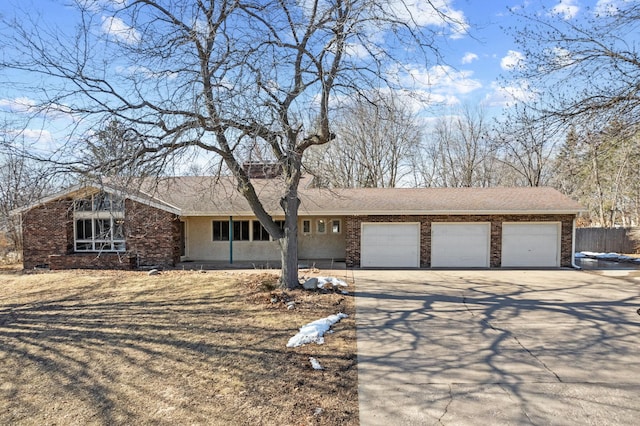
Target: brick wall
[(47, 230), (353, 226), (152, 238), (153, 235)]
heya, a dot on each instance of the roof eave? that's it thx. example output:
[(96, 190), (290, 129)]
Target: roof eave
[(86, 189), (389, 213), (439, 212)]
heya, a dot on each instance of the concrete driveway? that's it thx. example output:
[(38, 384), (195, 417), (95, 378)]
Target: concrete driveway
[(497, 347)]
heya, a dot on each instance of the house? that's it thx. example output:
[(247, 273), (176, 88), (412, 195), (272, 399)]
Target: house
[(205, 219)]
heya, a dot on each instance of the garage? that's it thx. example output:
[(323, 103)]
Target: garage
[(531, 244), (390, 245), (460, 245)]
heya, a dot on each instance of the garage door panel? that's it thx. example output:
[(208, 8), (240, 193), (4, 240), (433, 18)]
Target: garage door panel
[(460, 245), (531, 244), (390, 245)]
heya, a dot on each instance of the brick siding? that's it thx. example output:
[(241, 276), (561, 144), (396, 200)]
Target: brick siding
[(152, 238), (353, 229)]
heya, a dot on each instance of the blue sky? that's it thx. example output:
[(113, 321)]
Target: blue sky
[(470, 76)]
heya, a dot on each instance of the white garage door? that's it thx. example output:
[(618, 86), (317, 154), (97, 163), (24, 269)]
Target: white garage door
[(460, 245), (390, 245), (531, 244)]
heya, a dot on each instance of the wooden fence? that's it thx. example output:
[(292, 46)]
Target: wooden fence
[(607, 240)]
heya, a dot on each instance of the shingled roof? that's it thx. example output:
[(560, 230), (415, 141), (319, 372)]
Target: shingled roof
[(215, 196), (200, 196)]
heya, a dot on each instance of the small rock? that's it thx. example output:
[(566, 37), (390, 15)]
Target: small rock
[(310, 284), (202, 271), (291, 305), (274, 299), (154, 272), (318, 412)]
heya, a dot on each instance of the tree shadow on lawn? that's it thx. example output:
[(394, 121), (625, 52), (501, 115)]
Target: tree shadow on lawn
[(487, 332), (86, 358)]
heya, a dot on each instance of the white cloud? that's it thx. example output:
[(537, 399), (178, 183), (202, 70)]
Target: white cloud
[(24, 105), (469, 57), (20, 105), (566, 8), (430, 13), (513, 60), (116, 27), (562, 56), (502, 96), (356, 50), (441, 79), (39, 136)]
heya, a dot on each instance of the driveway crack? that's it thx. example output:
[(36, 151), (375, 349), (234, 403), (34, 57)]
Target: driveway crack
[(514, 337), (534, 356), (446, 408)]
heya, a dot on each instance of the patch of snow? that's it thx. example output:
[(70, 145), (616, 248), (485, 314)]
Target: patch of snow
[(335, 282), (615, 257), (315, 364), (608, 256), (313, 332)]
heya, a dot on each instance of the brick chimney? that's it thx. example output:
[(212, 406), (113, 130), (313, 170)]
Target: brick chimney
[(262, 170)]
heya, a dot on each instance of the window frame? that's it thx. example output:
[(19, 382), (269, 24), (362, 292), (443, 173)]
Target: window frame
[(241, 228), (100, 211), (305, 222), (324, 223), (262, 232), (332, 223)]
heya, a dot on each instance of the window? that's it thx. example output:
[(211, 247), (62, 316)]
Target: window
[(241, 230), (100, 234), (221, 230), (321, 226), (259, 232), (336, 226), (99, 223), (306, 226), (100, 202)]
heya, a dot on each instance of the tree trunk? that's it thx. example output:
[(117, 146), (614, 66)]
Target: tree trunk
[(289, 242)]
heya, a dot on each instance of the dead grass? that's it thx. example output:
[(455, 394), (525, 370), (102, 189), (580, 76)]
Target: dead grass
[(106, 347)]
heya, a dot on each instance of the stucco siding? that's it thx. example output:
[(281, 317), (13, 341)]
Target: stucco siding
[(201, 246), (328, 245)]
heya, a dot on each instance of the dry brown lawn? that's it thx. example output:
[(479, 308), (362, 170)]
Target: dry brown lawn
[(107, 347)]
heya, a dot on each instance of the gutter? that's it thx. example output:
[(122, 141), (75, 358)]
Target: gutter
[(573, 246)]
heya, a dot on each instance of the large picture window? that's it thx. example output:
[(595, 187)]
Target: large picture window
[(99, 224)]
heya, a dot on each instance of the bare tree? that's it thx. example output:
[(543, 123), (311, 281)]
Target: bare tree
[(587, 67), (602, 170), (22, 181), (460, 150), (218, 75), (525, 146), (376, 140)]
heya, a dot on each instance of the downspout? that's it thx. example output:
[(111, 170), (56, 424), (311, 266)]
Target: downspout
[(231, 240), (573, 246)]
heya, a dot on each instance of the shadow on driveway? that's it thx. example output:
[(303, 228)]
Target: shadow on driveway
[(486, 347)]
